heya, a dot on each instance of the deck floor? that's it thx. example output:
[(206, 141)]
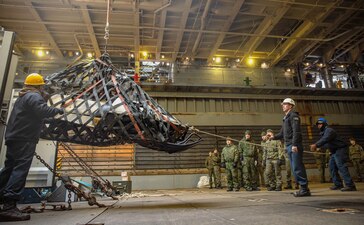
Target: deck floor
[(205, 206)]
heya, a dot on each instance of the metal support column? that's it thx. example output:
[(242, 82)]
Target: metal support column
[(6, 53)]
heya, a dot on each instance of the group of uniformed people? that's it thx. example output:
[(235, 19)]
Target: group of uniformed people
[(249, 165), (244, 164)]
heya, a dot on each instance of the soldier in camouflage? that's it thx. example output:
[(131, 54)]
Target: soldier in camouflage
[(210, 167), (216, 159), (250, 156), (356, 156), (260, 165), (273, 157), (229, 160), (321, 162)]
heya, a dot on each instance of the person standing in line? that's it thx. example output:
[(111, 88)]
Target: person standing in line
[(292, 136), (356, 156), (209, 164), (216, 161), (250, 155), (229, 161), (273, 157), (339, 156)]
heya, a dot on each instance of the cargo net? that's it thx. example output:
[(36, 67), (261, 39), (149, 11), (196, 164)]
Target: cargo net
[(103, 107)]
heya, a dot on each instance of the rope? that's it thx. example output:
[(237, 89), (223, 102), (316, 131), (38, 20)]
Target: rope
[(246, 142), (107, 26)]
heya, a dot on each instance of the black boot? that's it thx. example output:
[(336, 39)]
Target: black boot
[(11, 213), (304, 191)]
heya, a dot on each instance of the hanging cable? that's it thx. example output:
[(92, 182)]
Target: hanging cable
[(107, 26)]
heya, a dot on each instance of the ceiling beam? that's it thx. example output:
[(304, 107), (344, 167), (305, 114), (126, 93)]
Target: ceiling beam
[(305, 28), (86, 17), (265, 27), (161, 34), (312, 46), (226, 27), (49, 36), (182, 25)]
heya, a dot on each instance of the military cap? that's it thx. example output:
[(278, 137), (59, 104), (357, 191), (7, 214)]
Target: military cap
[(263, 133), (270, 130), (228, 138), (248, 132)]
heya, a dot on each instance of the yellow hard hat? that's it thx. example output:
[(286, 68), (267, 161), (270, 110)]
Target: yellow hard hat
[(34, 79)]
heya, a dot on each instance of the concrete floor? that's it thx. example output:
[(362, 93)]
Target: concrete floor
[(205, 206)]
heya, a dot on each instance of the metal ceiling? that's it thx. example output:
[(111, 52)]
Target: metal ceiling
[(274, 31)]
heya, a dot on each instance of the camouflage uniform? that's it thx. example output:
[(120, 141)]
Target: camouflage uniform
[(273, 155), (250, 154), (356, 155), (321, 161), (230, 157), (216, 163), (210, 167), (260, 167)]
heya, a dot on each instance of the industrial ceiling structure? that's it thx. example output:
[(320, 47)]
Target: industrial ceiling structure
[(275, 32)]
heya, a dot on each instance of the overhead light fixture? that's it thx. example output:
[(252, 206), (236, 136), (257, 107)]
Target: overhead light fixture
[(187, 58), (250, 61), (145, 54), (288, 70), (47, 52), (40, 53), (213, 59), (342, 66), (77, 53), (320, 65), (162, 56), (89, 55), (131, 55), (307, 63), (264, 65), (237, 60), (218, 60), (167, 64)]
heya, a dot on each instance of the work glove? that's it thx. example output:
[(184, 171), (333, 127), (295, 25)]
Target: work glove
[(223, 165), (255, 163), (235, 164)]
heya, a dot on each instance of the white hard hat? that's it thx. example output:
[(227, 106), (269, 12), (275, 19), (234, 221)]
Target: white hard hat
[(288, 101)]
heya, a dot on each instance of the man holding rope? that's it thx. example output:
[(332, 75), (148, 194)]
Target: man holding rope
[(292, 136)]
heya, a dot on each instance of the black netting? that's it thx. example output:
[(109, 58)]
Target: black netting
[(104, 108)]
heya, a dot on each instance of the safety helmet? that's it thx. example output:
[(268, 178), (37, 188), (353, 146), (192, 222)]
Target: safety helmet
[(34, 79), (321, 121), (288, 101)]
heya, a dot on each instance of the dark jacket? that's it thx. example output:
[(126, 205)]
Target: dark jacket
[(25, 122), (331, 140), (291, 130)]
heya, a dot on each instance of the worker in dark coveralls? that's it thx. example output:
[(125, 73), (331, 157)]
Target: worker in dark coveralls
[(291, 133), (21, 137), (339, 156)]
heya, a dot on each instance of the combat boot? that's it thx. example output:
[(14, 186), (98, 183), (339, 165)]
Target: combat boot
[(229, 189), (270, 189), (11, 213), (279, 188), (296, 186), (336, 187)]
